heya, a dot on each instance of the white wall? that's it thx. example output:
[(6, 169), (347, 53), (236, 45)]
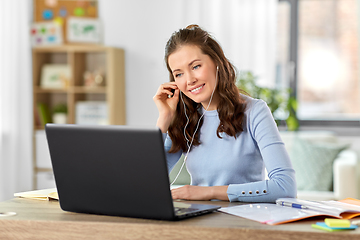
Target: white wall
[(141, 27)]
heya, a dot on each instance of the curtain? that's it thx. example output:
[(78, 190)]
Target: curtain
[(246, 29), (15, 98)]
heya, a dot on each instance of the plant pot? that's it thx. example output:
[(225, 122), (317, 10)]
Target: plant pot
[(60, 118)]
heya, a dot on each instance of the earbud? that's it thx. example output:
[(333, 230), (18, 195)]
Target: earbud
[(217, 68)]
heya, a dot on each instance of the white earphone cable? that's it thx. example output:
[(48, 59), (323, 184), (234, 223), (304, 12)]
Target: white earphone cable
[(197, 125)]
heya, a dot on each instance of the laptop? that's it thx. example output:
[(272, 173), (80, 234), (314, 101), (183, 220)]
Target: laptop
[(115, 170)]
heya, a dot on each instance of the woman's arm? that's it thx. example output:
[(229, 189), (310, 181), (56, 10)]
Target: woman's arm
[(281, 174), (189, 192), (281, 183)]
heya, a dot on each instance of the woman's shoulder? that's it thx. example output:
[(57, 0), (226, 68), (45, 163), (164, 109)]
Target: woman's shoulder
[(252, 103), (256, 110)]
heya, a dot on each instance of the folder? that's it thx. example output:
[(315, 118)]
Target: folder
[(43, 194)]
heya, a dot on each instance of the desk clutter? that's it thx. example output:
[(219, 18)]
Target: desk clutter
[(292, 209)]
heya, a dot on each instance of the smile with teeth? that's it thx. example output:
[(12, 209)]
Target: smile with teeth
[(197, 89)]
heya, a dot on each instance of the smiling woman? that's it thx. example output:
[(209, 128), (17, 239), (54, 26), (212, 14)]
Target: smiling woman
[(194, 75), (226, 136)]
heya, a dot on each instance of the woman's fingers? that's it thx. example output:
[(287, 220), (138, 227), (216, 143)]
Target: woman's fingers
[(166, 103), (165, 90)]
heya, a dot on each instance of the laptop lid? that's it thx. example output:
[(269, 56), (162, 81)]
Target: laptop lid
[(111, 170)]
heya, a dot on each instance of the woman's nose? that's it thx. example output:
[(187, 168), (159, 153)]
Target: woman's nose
[(191, 79)]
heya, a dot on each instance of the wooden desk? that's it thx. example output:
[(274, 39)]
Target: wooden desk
[(37, 219)]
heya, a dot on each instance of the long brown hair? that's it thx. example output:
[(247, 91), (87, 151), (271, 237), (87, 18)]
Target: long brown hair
[(231, 106)]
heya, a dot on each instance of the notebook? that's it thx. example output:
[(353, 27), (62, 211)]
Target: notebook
[(114, 170)]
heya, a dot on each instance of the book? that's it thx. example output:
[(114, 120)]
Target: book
[(293, 209), (43, 194), (44, 114)]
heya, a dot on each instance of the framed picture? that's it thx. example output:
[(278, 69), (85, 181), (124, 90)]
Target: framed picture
[(46, 34), (61, 10), (55, 76), (85, 30)]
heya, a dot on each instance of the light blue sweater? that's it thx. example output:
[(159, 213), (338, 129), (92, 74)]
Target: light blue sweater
[(241, 162)]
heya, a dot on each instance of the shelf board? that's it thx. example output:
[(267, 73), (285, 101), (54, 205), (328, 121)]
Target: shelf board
[(50, 90), (82, 89), (78, 89), (71, 48)]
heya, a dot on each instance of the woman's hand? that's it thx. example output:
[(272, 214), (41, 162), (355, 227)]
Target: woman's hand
[(165, 104), (189, 192)]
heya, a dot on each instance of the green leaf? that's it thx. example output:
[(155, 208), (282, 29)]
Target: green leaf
[(275, 98)]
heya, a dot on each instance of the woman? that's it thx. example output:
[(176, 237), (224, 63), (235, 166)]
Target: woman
[(228, 138)]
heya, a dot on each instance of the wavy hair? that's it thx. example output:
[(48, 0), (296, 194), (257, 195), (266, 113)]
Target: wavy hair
[(231, 106)]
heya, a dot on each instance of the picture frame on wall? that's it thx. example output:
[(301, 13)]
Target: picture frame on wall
[(46, 34), (55, 76), (84, 30), (60, 10)]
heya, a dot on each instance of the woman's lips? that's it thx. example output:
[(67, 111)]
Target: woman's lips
[(197, 89)]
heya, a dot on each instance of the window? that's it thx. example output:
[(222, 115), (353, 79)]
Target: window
[(318, 57)]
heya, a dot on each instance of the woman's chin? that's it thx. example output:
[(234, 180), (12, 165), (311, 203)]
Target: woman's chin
[(196, 99)]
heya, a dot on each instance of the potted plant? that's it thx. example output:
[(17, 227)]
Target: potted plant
[(60, 113), (282, 105)]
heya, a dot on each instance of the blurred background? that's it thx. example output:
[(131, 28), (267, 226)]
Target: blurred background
[(101, 61)]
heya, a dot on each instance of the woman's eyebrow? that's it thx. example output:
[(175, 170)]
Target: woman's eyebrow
[(193, 61), (188, 65)]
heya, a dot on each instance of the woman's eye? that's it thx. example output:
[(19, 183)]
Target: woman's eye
[(178, 75), (196, 67)]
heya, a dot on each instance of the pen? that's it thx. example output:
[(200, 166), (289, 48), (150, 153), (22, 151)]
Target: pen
[(294, 205)]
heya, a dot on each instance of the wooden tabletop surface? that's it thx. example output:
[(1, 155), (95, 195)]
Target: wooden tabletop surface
[(36, 219)]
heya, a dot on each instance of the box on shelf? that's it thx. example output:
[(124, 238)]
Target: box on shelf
[(91, 113)]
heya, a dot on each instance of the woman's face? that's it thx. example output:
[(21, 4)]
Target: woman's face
[(194, 74)]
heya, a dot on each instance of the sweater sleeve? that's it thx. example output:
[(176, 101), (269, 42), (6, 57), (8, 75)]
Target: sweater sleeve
[(281, 182), (171, 158)]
